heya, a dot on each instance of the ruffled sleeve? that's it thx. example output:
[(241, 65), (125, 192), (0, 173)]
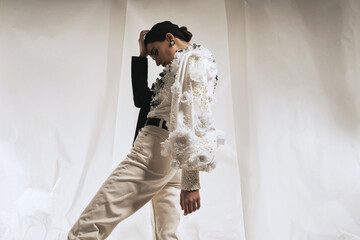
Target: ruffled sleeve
[(193, 138)]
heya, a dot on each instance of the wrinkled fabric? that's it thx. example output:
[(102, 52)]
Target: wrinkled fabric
[(160, 104), (191, 78), (193, 138), (68, 115), (144, 175)]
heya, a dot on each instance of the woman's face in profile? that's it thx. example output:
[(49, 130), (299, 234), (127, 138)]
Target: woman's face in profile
[(161, 52)]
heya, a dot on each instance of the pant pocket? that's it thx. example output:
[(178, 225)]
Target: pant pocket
[(157, 162), (148, 146)]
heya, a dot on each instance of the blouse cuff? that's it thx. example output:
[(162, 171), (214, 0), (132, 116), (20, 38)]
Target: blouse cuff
[(190, 180)]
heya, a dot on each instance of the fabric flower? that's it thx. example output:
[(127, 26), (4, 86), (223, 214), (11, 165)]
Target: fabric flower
[(180, 144), (193, 138)]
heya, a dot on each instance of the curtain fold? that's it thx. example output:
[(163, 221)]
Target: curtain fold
[(298, 129)]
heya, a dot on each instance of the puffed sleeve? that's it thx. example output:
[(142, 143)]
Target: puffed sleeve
[(193, 138)]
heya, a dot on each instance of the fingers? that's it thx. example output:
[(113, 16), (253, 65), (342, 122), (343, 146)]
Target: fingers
[(186, 208), (191, 206), (194, 208), (189, 201), (181, 201), (142, 33), (143, 52)]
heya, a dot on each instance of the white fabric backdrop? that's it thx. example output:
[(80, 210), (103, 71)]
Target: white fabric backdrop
[(288, 77), (299, 113)]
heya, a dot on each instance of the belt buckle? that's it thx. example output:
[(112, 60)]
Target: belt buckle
[(160, 123)]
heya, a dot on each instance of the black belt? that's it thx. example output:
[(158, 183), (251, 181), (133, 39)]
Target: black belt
[(156, 122)]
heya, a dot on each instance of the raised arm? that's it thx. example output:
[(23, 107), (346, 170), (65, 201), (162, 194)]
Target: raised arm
[(139, 79), (139, 74)]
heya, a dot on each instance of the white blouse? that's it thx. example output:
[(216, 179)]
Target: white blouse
[(160, 105), (183, 97)]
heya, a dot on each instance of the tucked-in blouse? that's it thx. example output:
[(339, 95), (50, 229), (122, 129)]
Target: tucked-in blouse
[(183, 97), (160, 104)]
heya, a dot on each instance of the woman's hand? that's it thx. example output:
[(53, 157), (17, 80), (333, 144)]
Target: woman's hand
[(143, 52), (189, 201)]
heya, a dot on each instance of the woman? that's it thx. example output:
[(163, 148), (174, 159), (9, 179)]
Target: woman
[(174, 140)]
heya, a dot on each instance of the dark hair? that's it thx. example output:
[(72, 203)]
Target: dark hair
[(159, 30)]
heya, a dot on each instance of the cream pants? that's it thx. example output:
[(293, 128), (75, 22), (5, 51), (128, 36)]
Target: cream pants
[(144, 175)]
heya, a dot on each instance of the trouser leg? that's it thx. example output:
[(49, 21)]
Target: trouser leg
[(166, 210), (133, 183)]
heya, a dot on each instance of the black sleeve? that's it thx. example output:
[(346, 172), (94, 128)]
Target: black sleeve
[(139, 78)]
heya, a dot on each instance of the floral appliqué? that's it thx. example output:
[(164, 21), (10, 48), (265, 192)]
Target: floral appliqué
[(193, 138)]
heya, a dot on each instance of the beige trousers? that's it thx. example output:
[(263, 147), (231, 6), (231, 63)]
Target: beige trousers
[(144, 175)]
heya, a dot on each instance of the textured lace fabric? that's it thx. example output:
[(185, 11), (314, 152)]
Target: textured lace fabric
[(183, 96), (160, 105)]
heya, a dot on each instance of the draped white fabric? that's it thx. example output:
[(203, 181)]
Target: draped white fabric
[(286, 97)]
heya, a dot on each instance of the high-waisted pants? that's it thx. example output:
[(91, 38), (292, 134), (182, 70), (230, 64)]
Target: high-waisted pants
[(142, 176)]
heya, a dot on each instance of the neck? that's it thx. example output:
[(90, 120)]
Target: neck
[(183, 45)]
